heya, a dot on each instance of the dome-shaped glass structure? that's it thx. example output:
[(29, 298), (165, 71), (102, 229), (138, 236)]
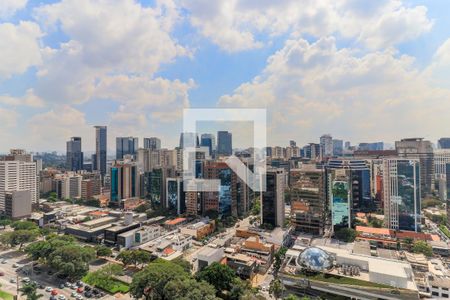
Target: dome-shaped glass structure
[(315, 259)]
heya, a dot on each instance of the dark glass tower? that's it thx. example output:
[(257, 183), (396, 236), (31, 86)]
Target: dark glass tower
[(224, 143), (100, 149), (126, 146), (74, 156)]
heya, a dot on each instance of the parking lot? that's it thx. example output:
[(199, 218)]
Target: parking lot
[(16, 269)]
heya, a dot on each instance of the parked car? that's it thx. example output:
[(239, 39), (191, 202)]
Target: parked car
[(54, 292), (2, 274), (12, 280), (61, 297), (48, 289)]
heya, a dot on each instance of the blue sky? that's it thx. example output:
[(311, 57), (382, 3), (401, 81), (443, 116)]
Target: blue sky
[(362, 72)]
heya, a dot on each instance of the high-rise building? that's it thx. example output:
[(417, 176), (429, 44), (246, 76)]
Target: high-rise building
[(402, 203), (224, 143), (224, 201), (16, 175), (292, 143), (124, 181), (101, 144), (126, 146), (208, 140), (90, 188), (444, 143), (358, 179), (441, 159), (338, 147), (74, 155), (371, 146), (68, 185), (339, 187), (155, 186), (18, 204), (326, 146), (188, 140), (417, 148), (152, 143), (272, 200), (175, 196), (447, 177), (308, 199)]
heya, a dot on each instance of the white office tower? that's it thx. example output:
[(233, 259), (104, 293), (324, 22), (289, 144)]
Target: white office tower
[(17, 175), (326, 146)]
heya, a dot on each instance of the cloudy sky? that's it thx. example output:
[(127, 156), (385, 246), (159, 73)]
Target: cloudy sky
[(360, 70)]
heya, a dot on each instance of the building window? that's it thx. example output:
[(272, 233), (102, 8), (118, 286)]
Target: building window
[(435, 293), (444, 296)]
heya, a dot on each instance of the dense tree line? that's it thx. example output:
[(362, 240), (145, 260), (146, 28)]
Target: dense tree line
[(163, 280)]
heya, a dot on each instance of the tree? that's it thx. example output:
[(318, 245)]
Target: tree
[(292, 297), (279, 257), (19, 237), (142, 208), (183, 263), (220, 276), (276, 288), (24, 225), (29, 290), (102, 276), (125, 257), (189, 289), (5, 222), (347, 235), (102, 250), (256, 209), (150, 282), (92, 202), (72, 260), (141, 257), (422, 247)]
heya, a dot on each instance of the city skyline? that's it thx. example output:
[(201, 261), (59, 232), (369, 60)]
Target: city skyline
[(360, 72)]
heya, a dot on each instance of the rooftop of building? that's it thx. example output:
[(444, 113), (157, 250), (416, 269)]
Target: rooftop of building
[(175, 221)]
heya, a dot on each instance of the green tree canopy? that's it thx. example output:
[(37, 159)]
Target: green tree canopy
[(422, 247), (30, 291), (151, 281), (347, 235), (189, 289), (102, 250), (218, 275), (276, 288), (24, 225)]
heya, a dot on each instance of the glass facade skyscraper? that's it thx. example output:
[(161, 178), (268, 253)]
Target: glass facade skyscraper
[(126, 146), (224, 143), (152, 143), (101, 143), (401, 185), (74, 155)]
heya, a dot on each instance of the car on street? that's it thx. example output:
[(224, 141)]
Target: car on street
[(2, 274), (48, 289), (54, 292), (4, 261), (62, 286), (12, 280), (62, 297)]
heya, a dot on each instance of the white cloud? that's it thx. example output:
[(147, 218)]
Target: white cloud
[(312, 88), (439, 69), (19, 47), (143, 92), (51, 129), (106, 37), (8, 118), (29, 99), (235, 25), (9, 7)]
